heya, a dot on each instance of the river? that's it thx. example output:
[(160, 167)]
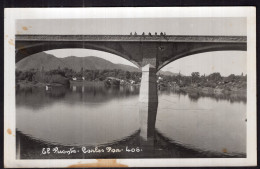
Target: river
[(90, 116)]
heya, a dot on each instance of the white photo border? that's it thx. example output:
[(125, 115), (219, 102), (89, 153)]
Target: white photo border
[(12, 14)]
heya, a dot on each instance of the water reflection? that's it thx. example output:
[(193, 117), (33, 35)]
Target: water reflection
[(38, 97), (209, 123), (195, 96), (187, 125)]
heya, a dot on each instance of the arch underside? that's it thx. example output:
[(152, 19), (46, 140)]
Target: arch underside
[(135, 52)]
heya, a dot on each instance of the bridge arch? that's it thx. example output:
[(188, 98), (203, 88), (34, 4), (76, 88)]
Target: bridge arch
[(157, 51), (29, 49), (202, 49)]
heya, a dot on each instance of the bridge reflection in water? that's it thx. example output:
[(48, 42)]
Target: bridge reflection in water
[(31, 148), (126, 132)]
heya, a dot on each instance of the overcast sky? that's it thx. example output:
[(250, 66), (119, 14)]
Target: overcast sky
[(225, 62)]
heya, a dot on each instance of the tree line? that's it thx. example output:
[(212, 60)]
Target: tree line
[(213, 80), (90, 75)]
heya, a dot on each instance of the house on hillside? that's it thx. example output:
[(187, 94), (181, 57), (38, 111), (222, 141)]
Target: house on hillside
[(159, 79), (122, 82), (132, 81)]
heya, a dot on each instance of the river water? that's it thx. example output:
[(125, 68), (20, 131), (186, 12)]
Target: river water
[(187, 125)]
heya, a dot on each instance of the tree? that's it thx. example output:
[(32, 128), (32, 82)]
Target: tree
[(121, 74), (127, 75), (215, 77), (28, 75), (231, 78), (81, 71), (195, 76)]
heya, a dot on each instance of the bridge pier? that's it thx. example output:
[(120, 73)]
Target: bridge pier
[(148, 103)]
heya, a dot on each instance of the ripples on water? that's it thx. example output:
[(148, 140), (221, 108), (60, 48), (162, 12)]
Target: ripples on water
[(188, 125)]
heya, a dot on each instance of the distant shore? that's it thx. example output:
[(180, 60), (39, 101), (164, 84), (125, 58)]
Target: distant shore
[(22, 84), (209, 90), (80, 83), (28, 84), (188, 89)]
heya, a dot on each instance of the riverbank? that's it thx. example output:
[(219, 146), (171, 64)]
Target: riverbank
[(86, 83), (187, 89), (209, 90), (34, 84), (23, 84), (98, 83)]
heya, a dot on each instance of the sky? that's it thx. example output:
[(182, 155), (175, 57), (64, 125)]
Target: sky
[(225, 62)]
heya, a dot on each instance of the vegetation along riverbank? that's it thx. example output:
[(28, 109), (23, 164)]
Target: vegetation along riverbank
[(195, 83)]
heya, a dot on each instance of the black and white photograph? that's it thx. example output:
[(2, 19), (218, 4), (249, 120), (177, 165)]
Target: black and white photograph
[(115, 86)]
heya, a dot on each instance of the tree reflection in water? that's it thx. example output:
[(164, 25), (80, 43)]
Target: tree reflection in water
[(194, 96), (39, 97)]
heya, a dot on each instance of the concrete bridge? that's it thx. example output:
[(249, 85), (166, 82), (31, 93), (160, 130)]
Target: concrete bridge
[(149, 52)]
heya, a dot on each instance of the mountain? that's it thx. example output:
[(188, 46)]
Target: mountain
[(167, 73), (39, 60), (50, 62)]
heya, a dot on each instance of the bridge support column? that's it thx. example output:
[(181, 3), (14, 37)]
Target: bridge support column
[(148, 103)]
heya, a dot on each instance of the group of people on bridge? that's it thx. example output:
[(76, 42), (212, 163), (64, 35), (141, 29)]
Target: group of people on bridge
[(161, 34)]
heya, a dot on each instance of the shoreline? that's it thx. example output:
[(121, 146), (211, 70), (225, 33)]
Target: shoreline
[(28, 84), (187, 89), (215, 91), (80, 83)]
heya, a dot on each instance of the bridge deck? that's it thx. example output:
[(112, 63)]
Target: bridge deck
[(133, 38)]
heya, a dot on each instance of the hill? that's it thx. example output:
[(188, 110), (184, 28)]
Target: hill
[(50, 62), (168, 73)]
